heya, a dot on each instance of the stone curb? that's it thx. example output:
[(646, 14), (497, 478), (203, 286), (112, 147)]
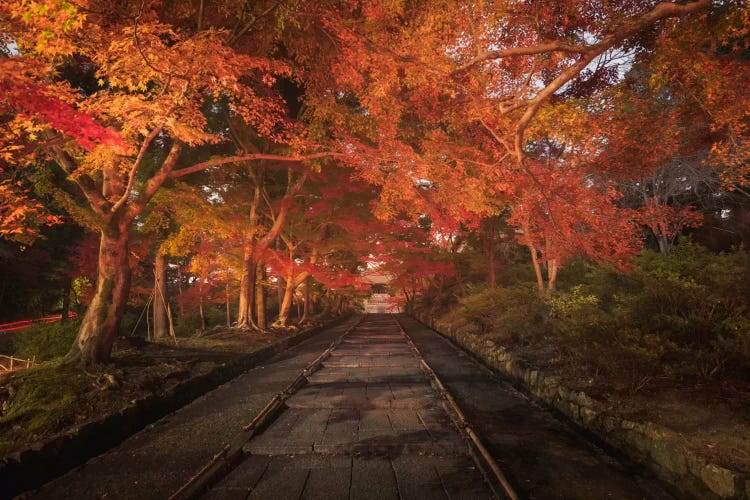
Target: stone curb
[(30, 468), (644, 442)]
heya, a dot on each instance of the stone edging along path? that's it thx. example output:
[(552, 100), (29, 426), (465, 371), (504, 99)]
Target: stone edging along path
[(43, 461), (644, 442)]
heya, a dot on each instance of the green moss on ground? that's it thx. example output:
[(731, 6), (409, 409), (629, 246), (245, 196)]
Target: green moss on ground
[(45, 342), (48, 399)]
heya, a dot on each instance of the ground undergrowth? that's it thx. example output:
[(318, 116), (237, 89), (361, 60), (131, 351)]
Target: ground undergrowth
[(50, 398)]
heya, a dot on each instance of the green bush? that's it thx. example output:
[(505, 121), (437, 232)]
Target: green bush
[(698, 301), (509, 314), (681, 315)]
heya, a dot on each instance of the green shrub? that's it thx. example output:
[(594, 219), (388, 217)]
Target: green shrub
[(509, 314), (698, 301), (686, 314)]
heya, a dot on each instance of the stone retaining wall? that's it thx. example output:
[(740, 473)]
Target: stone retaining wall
[(44, 461), (655, 446)]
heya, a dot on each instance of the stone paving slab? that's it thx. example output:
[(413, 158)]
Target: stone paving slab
[(404, 477)]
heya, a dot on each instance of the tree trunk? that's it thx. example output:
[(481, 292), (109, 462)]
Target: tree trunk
[(101, 323), (160, 297), (179, 294), (326, 305), (664, 246), (286, 299), (260, 297), (537, 269), (200, 307), (66, 289), (247, 290), (552, 274), (337, 305), (308, 312), (226, 300), (280, 287)]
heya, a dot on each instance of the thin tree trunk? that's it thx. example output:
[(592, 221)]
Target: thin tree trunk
[(551, 266), (247, 289), (249, 264), (200, 306), (66, 289), (226, 300), (552, 274), (337, 304), (308, 311), (664, 246), (286, 299), (160, 296), (149, 305), (537, 269), (260, 298), (101, 323), (326, 305), (181, 309), (280, 287), (171, 324)]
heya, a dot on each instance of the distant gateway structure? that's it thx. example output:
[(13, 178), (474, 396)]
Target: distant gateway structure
[(380, 300)]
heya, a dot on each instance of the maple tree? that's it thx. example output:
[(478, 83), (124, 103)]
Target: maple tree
[(445, 103), (153, 83), (454, 111)]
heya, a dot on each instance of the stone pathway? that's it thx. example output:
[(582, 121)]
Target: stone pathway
[(158, 460), (542, 456), (367, 425)]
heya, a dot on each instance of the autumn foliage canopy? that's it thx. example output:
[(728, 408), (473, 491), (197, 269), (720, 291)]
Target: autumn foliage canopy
[(320, 137)]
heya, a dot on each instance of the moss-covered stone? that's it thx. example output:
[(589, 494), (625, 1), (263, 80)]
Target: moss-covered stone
[(720, 480), (670, 456)]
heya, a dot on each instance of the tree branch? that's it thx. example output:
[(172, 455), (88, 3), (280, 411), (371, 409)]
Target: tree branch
[(136, 164), (257, 156), (556, 46), (278, 223), (97, 202), (254, 19), (155, 182), (660, 11)]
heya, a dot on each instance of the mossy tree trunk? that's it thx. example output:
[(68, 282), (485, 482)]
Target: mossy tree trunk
[(113, 202), (101, 323)]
